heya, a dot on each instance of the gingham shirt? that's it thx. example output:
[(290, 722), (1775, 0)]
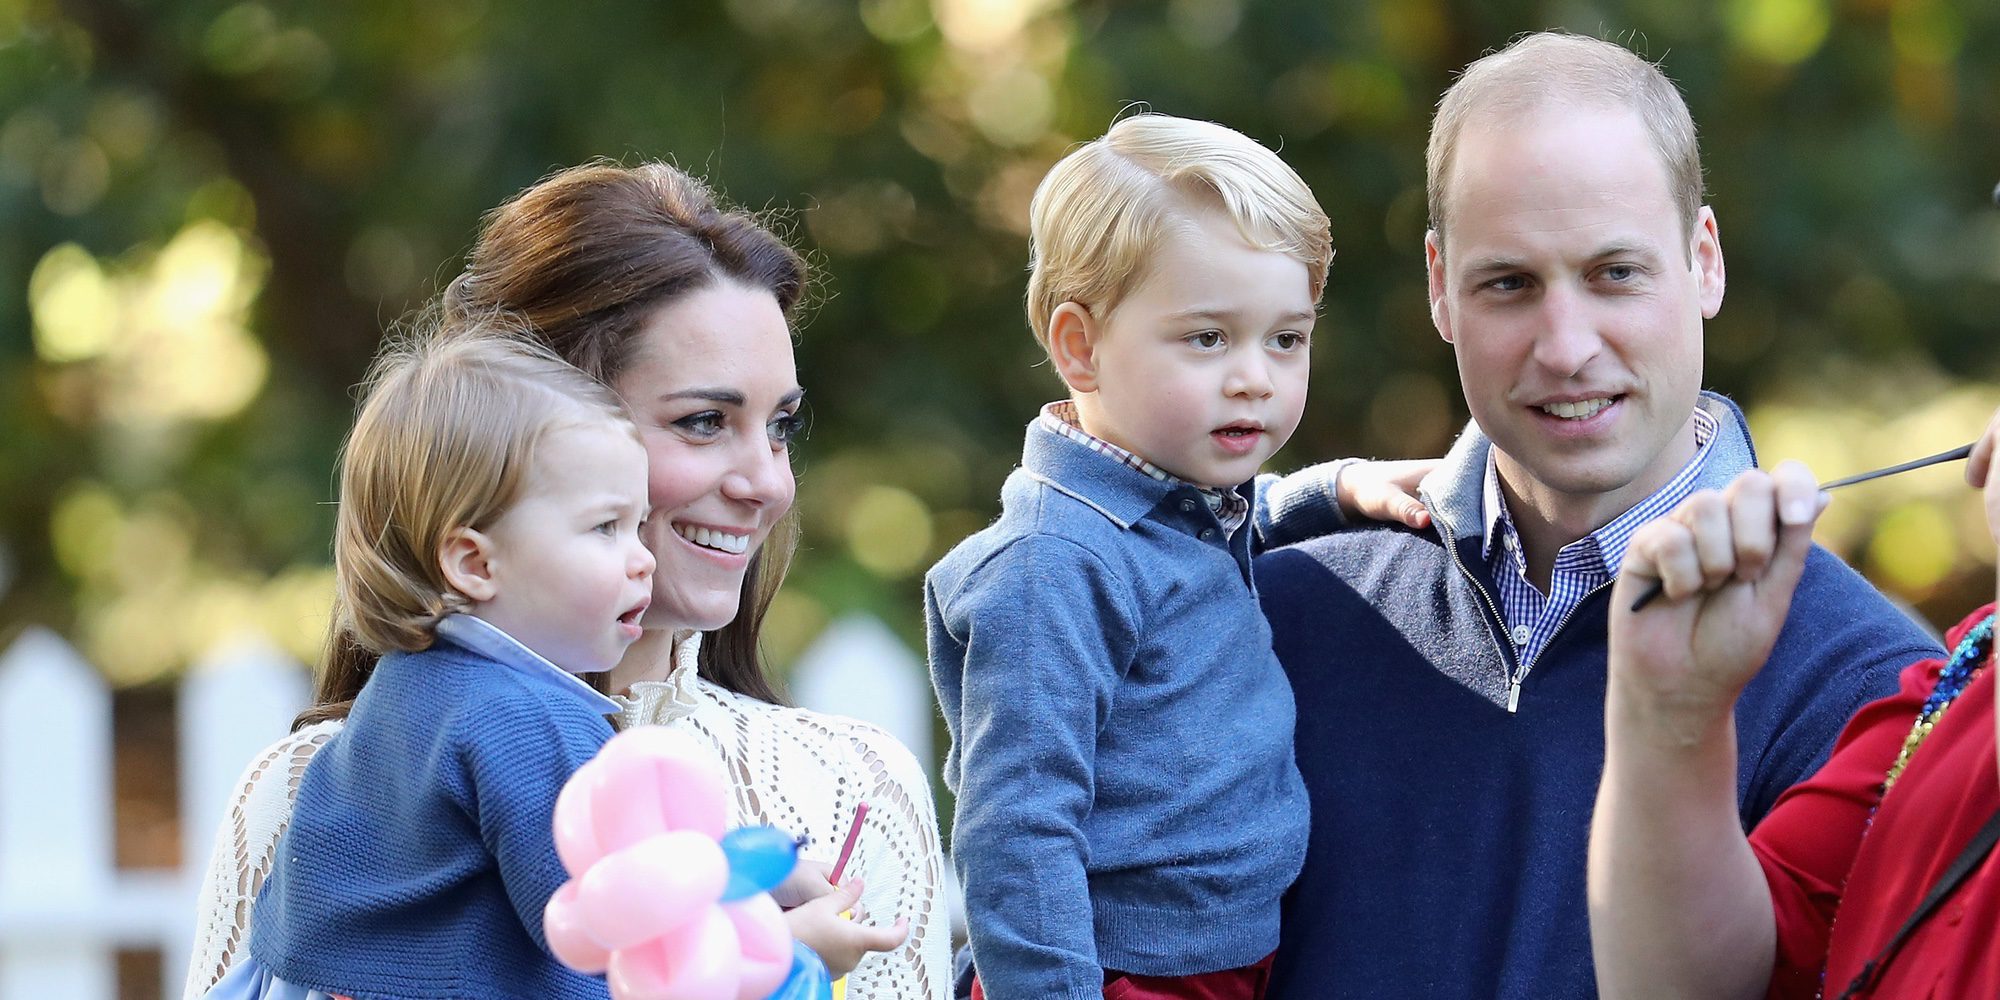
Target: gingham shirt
[(1581, 566), (1230, 508)]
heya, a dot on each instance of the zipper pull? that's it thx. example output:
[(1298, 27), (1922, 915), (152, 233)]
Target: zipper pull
[(1514, 696)]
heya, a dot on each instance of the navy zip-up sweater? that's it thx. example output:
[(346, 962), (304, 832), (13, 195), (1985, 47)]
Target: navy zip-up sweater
[(1448, 837)]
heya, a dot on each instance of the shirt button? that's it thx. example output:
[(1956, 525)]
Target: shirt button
[(1509, 542), (1187, 505), (1207, 534), (1522, 634)]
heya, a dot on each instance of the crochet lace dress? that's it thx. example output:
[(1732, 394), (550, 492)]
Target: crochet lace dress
[(801, 771)]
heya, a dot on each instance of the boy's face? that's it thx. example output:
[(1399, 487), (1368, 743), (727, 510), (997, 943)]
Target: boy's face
[(1201, 370), (570, 575)]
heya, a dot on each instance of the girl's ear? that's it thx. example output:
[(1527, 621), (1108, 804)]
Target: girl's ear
[(1073, 333), (466, 559)]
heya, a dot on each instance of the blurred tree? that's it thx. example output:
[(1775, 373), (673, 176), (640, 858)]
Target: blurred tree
[(212, 211)]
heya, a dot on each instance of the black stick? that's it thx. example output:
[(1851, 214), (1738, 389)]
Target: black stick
[(1956, 454)]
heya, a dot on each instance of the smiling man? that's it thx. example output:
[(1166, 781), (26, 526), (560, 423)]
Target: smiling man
[(1450, 682)]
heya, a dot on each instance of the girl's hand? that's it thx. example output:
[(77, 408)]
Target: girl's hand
[(807, 882), (1384, 491), (842, 943)]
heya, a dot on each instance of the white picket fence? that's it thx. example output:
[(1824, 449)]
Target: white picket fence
[(66, 909)]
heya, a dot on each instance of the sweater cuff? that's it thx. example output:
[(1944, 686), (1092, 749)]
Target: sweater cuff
[(1305, 504)]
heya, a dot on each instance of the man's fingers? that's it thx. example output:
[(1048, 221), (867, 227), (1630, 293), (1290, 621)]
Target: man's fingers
[(1753, 522), (1666, 548), (1707, 517), (1800, 502)]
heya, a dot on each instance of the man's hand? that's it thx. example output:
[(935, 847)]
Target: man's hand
[(1728, 563), (1384, 491)]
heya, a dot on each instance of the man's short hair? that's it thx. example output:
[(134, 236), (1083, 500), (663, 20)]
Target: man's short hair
[(1564, 70), (1099, 216)]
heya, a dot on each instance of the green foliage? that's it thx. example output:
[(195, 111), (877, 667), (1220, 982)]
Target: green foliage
[(353, 146)]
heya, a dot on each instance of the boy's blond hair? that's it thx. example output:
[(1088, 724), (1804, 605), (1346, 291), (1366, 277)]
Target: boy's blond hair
[(445, 439), (1100, 214)]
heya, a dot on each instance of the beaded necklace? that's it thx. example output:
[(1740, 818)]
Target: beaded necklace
[(1971, 654), (1967, 657)]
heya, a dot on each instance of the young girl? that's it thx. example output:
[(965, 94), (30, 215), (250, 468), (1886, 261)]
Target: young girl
[(487, 546)]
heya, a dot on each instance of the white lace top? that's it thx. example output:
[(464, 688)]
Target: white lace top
[(797, 770)]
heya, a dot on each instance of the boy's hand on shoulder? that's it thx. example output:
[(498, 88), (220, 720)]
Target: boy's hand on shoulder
[(838, 941), (1384, 491)]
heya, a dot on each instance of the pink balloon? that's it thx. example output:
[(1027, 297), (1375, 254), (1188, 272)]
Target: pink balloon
[(563, 926), (767, 944), (656, 779), (625, 806), (576, 835), (651, 888), (696, 962)]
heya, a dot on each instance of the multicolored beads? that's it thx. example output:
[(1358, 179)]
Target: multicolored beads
[(1972, 653)]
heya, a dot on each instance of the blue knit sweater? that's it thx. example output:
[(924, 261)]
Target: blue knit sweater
[(1447, 849), (1121, 733), (420, 852)]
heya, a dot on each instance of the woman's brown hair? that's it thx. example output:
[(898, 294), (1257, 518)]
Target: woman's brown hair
[(583, 258)]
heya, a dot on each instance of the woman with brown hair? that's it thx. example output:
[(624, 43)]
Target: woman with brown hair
[(683, 307)]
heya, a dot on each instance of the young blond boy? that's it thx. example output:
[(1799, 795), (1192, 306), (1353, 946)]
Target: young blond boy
[(1129, 812)]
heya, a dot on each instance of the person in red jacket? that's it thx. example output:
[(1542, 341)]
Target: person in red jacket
[(1866, 880)]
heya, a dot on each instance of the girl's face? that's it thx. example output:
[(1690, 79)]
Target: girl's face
[(716, 395)]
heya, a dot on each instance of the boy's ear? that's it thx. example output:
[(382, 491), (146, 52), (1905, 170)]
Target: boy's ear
[(1073, 333), (466, 559)]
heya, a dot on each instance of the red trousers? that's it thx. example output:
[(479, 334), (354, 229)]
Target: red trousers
[(1246, 983)]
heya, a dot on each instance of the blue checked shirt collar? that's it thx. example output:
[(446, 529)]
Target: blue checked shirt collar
[(1581, 566), (1229, 506)]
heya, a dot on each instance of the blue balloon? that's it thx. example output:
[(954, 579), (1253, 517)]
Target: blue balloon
[(808, 979), (759, 858)]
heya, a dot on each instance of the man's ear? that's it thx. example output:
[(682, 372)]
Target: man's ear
[(1073, 334), (1706, 252), (466, 559), (1434, 281)]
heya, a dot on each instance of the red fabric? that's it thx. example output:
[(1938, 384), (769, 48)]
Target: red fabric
[(1817, 861), (1246, 983)]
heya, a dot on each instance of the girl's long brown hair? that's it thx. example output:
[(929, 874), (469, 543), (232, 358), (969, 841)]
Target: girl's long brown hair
[(583, 258)]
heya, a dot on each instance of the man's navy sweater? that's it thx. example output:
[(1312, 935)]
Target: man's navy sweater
[(1448, 835)]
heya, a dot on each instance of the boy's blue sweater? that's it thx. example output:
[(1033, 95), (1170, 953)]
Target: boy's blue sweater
[(1121, 733), (421, 851), (1448, 839)]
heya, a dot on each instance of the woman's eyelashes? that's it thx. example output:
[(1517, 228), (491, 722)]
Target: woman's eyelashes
[(706, 424), (787, 428), (783, 429)]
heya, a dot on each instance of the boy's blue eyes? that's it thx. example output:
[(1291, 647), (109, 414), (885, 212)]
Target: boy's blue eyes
[(1209, 340)]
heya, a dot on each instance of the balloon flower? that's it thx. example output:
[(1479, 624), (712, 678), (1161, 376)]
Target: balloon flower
[(660, 899)]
